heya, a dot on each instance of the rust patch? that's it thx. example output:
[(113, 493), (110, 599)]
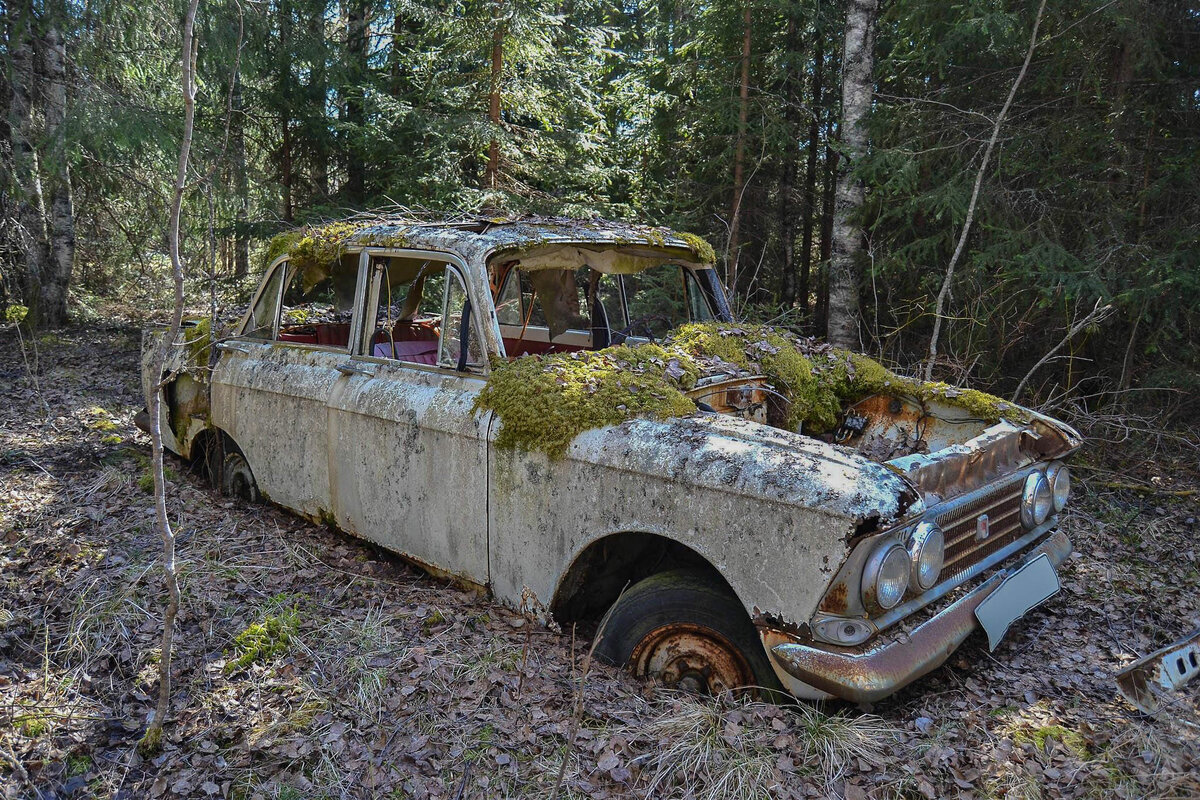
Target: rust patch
[(835, 600)]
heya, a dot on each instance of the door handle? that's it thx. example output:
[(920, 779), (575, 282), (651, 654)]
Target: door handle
[(234, 347), (356, 369)]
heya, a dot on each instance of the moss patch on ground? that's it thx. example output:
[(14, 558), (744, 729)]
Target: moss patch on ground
[(263, 640), (544, 402)]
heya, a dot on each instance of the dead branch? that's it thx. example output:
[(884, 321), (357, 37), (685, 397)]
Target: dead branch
[(1098, 314), (966, 229)]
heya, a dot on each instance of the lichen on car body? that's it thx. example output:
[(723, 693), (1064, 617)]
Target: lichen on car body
[(545, 401)]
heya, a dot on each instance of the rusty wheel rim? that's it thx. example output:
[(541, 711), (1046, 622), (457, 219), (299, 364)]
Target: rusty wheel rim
[(693, 658)]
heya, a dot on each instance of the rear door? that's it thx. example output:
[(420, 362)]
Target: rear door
[(407, 455)]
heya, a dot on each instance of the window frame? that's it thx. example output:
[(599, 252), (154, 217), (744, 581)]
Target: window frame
[(367, 310)]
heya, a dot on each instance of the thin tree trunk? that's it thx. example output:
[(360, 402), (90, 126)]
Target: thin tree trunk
[(318, 90), (56, 277), (739, 158), (827, 212), (356, 45), (966, 229), (787, 180), (152, 741), (810, 178), (241, 237), (492, 172), (30, 204), (285, 117), (858, 61)]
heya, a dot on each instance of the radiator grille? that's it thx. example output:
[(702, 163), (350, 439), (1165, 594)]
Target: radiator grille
[(960, 525)]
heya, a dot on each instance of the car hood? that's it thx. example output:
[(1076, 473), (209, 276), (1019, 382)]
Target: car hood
[(725, 453)]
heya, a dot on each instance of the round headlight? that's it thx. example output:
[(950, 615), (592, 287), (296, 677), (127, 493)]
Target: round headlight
[(1060, 484), (1037, 500), (926, 551), (885, 579)]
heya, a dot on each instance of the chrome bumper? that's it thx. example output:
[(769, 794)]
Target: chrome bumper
[(867, 675)]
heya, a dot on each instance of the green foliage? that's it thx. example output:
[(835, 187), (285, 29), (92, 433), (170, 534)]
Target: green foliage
[(16, 313)]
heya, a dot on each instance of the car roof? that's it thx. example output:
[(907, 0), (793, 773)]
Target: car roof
[(482, 237)]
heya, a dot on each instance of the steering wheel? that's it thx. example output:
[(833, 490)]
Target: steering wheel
[(643, 322)]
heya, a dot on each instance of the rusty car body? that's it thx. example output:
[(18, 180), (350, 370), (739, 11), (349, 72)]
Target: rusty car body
[(856, 565)]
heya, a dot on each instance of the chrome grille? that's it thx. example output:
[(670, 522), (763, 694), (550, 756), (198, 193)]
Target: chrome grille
[(959, 524)]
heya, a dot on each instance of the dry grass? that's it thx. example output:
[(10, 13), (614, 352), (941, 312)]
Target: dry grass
[(740, 749)]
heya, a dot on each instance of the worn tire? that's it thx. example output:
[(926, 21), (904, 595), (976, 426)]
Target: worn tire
[(237, 480), (688, 631)]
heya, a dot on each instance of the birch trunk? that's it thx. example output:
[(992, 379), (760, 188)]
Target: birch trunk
[(810, 177), (56, 275), (858, 61)]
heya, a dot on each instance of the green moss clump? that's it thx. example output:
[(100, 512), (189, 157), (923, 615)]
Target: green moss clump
[(1072, 740), (16, 313), (198, 341), (264, 640), (314, 249), (703, 250), (544, 402)]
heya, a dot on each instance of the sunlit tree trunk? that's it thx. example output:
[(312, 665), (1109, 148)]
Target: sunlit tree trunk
[(858, 60), (30, 205), (56, 275), (152, 740)]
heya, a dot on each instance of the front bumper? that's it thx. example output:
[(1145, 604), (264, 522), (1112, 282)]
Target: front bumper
[(867, 675)]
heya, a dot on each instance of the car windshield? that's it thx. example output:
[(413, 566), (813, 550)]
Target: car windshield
[(581, 308)]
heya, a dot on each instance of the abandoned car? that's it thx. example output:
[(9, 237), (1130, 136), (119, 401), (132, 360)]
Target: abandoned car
[(391, 377)]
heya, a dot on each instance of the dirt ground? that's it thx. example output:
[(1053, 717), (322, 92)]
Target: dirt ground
[(311, 665)]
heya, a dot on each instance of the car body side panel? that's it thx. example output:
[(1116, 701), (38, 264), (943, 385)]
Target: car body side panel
[(272, 400), (774, 522), (408, 462)]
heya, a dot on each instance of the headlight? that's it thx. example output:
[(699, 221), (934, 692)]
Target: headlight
[(926, 551), (1060, 484), (885, 578), (1037, 500)]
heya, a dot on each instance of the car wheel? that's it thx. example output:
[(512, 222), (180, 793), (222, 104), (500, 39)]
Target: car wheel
[(686, 630), (236, 478)]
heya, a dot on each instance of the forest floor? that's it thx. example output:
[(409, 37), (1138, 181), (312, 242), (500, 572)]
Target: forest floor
[(311, 665)]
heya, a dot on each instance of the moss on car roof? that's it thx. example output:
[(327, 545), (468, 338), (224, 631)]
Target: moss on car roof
[(320, 245)]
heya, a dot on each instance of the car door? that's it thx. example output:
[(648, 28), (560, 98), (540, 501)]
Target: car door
[(407, 454), (272, 383)]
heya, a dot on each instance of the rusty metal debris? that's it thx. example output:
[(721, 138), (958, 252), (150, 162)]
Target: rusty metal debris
[(1147, 682)]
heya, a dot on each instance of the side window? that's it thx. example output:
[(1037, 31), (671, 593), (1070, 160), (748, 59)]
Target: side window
[(459, 323), (508, 301), (696, 300), (317, 305), (419, 313), (262, 319)]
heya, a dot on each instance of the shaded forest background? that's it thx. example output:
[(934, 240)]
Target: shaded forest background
[(719, 118)]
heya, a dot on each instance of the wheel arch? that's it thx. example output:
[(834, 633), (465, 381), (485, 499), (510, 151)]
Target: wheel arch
[(602, 568)]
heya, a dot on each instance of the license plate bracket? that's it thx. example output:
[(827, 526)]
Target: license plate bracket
[(1031, 585)]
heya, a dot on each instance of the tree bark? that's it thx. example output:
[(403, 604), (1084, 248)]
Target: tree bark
[(318, 91), (356, 47), (492, 171), (56, 277), (285, 117), (810, 177), (827, 211), (30, 203), (858, 62), (787, 180), (739, 158), (152, 740)]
